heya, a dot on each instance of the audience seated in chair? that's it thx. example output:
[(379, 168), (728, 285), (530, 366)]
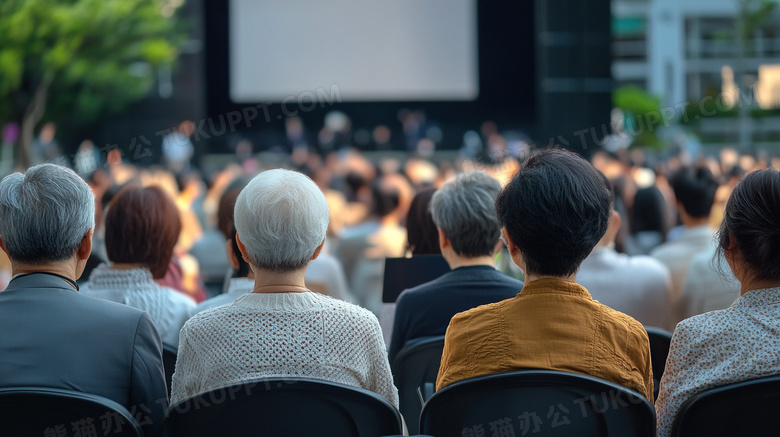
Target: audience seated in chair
[(694, 190), (142, 226), (553, 212), (59, 338), (639, 286), (465, 216), (743, 341), (422, 238), (281, 328)]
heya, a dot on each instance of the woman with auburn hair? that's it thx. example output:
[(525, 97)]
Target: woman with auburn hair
[(142, 227), (742, 341)]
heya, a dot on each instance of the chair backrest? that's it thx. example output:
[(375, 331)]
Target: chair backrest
[(284, 406), (39, 411), (660, 340), (540, 403), (415, 366), (746, 408), (169, 364)]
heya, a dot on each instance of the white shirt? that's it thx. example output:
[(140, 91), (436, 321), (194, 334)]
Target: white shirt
[(326, 270), (168, 308), (237, 287), (282, 335), (639, 286), (676, 255), (738, 343), (707, 289)]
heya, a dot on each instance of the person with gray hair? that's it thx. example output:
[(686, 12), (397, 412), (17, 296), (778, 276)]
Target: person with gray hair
[(469, 236), (61, 338), (281, 328)]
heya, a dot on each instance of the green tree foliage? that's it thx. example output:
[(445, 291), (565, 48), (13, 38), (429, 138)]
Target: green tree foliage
[(642, 112), (85, 57)]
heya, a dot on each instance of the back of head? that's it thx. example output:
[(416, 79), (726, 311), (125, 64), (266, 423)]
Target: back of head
[(420, 229), (386, 197), (281, 217), (649, 210), (44, 214), (142, 227), (555, 210), (464, 209), (226, 206), (694, 188), (752, 220)]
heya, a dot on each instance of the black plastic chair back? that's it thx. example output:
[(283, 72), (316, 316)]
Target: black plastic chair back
[(416, 366), (39, 412), (747, 408), (660, 340), (169, 364), (284, 407), (541, 403)]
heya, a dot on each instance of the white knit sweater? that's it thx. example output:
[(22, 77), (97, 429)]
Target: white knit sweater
[(168, 308), (282, 335)]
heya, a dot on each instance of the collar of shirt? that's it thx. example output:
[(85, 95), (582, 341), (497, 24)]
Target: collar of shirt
[(552, 285), (758, 298), (697, 232)]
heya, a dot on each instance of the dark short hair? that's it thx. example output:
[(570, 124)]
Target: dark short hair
[(752, 219), (226, 206), (421, 233), (555, 210), (649, 210), (142, 227), (694, 188)]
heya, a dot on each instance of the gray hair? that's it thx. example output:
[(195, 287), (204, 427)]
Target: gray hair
[(45, 213), (464, 210), (281, 217)]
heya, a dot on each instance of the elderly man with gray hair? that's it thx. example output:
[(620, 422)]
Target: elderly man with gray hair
[(56, 337), (469, 236), (281, 328)]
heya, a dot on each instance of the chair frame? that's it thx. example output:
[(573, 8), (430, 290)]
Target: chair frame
[(243, 410), (410, 404), (465, 404), (65, 399), (746, 410)]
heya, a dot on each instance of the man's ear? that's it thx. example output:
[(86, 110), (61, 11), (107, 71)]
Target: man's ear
[(318, 250), (85, 247), (242, 249), (231, 255), (2, 246), (444, 242)]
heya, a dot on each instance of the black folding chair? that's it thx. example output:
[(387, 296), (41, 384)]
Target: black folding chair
[(284, 407), (415, 368), (541, 403), (169, 364), (39, 412), (660, 340), (747, 408)]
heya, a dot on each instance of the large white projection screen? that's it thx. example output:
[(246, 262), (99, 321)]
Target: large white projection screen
[(400, 50)]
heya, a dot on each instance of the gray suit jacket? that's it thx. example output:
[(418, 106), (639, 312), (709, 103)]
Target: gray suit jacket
[(52, 336)]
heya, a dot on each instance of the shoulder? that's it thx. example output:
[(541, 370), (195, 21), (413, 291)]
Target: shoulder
[(107, 312), (615, 319), (483, 315), (177, 298), (666, 250), (647, 267), (341, 309), (711, 324)]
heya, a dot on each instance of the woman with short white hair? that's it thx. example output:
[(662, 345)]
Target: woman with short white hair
[(281, 329)]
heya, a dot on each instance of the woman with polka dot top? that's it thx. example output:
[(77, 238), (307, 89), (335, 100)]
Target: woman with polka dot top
[(742, 341)]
